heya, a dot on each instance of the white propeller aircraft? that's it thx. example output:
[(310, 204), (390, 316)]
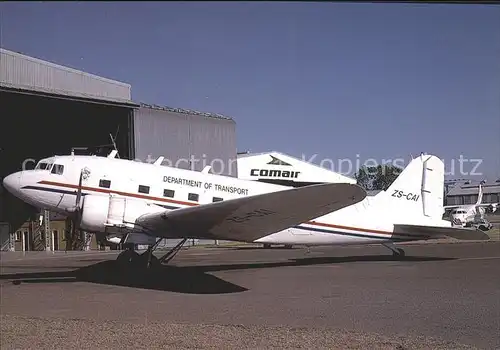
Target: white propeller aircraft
[(139, 202), (468, 214)]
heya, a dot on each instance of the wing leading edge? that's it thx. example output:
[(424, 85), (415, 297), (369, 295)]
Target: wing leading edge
[(253, 217)]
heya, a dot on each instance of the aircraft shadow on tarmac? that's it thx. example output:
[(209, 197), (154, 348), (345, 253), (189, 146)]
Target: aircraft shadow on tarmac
[(182, 279)]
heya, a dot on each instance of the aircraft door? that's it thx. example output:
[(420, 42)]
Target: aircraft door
[(69, 198)]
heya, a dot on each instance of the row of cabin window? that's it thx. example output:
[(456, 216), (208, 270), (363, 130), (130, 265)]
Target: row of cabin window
[(166, 193)]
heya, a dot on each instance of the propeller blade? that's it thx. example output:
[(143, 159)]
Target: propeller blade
[(79, 192), (75, 216)]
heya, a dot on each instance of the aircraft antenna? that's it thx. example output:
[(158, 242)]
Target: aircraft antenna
[(114, 143)]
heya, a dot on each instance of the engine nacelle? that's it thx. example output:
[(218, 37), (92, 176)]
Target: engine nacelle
[(114, 214), (94, 213), (132, 238)]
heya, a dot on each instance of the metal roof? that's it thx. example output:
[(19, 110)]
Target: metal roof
[(186, 111), (58, 66), (77, 96), (466, 190), (26, 74)]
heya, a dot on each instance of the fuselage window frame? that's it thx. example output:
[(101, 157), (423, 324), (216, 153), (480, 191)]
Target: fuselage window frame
[(168, 193), (41, 166), (57, 169), (195, 197), (104, 183), (143, 189)]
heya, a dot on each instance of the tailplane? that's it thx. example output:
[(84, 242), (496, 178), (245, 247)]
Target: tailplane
[(442, 231), (415, 202)]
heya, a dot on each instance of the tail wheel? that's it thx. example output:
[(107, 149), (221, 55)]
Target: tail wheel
[(400, 254)]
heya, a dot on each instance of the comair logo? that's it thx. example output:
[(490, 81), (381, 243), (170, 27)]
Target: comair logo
[(290, 174), (276, 161)]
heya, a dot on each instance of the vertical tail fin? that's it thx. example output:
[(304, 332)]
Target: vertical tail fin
[(480, 195), (418, 191)]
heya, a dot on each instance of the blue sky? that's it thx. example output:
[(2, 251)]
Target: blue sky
[(342, 81)]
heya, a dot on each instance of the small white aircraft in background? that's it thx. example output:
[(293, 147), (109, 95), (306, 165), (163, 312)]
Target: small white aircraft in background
[(140, 202), (467, 215)]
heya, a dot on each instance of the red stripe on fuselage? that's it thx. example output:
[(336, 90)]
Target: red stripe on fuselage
[(108, 191), (166, 200)]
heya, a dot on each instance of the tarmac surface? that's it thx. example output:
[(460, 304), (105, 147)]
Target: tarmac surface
[(441, 296)]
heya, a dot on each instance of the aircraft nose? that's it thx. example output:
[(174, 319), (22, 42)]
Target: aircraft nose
[(12, 182)]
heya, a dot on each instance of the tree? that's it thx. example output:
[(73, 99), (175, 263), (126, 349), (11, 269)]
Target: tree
[(377, 178), (363, 178)]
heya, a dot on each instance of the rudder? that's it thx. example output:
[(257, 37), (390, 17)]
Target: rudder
[(418, 191), (480, 195), (433, 187)]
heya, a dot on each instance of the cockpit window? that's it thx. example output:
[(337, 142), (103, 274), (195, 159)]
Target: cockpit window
[(41, 166), (45, 164), (57, 169)]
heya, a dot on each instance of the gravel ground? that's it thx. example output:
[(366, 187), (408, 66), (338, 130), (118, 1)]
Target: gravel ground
[(38, 333)]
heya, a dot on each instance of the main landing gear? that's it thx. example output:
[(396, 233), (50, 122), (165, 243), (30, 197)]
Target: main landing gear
[(130, 258), (396, 252)]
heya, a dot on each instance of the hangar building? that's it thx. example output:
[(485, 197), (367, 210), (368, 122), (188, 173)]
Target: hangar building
[(463, 194), (49, 109)]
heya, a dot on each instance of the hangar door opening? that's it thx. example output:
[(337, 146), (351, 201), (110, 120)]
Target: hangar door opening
[(37, 126)]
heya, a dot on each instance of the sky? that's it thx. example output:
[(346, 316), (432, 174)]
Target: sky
[(318, 81)]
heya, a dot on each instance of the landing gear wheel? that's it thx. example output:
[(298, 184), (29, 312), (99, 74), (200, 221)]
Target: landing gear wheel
[(131, 259), (153, 262), (396, 252), (399, 254), (127, 258)]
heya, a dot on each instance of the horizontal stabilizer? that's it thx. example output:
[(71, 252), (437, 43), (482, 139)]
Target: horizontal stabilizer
[(253, 217), (438, 231), (159, 160), (113, 154), (206, 169)]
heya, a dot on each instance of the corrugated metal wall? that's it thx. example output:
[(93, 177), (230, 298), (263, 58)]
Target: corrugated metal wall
[(31, 73), (184, 136), (471, 199)]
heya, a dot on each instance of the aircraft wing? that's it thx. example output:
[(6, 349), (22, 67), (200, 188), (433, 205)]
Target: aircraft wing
[(441, 231), (252, 217), (493, 206)]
